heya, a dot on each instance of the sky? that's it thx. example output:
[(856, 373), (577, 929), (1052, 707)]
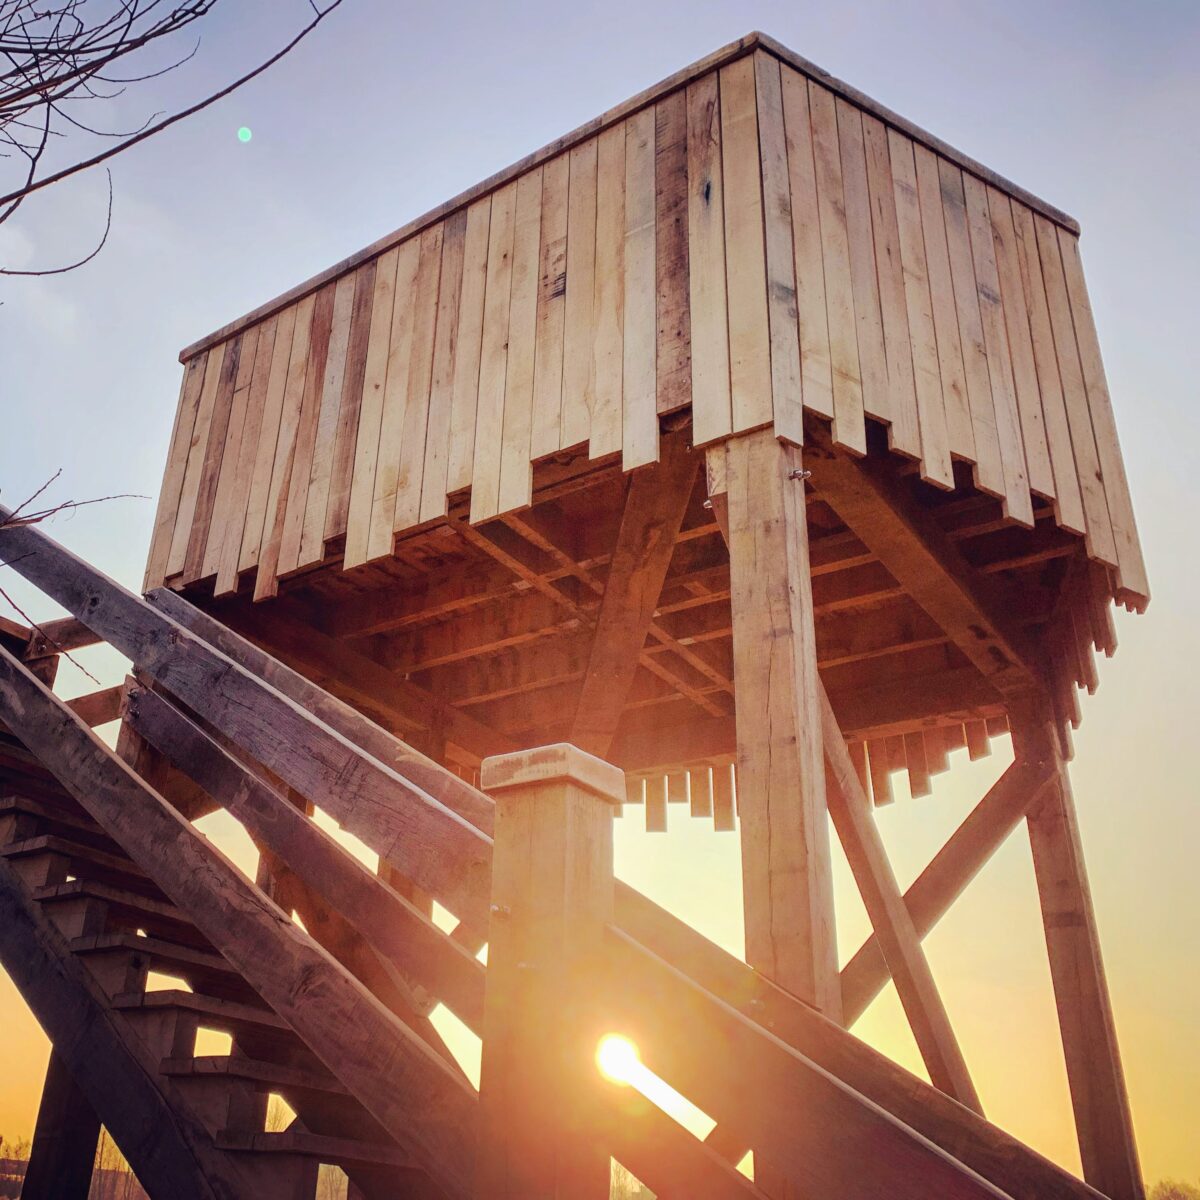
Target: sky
[(391, 109)]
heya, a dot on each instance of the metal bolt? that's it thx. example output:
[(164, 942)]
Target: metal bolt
[(799, 473), (501, 910), (707, 504)]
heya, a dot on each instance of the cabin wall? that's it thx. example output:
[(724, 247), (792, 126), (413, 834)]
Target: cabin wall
[(753, 243)]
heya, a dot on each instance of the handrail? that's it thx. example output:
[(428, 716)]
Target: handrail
[(441, 838)]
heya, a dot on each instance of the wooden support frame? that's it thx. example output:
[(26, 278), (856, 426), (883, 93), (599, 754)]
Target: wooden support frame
[(64, 1139), (1099, 1095), (786, 867), (552, 896)]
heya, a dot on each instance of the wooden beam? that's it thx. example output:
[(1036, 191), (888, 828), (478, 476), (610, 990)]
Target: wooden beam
[(552, 897), (997, 1156), (786, 868), (976, 612), (64, 1139), (56, 637), (346, 1027), (1099, 1095), (654, 510), (891, 920), (990, 822)]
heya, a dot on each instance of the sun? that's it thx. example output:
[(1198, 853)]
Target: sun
[(617, 1058)]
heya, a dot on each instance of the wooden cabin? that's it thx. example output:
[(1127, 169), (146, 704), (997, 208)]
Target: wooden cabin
[(756, 444)]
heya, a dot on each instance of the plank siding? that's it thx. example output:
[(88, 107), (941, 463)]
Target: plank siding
[(760, 244)]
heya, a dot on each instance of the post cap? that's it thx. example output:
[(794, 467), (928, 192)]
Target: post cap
[(552, 764)]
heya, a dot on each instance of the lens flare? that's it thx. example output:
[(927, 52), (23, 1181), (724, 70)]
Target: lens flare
[(245, 134), (617, 1058)]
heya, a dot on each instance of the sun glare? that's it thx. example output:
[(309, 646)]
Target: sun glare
[(617, 1058)]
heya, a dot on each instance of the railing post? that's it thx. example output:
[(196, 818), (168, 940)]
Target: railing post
[(552, 896)]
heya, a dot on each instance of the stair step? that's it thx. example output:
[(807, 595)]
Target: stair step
[(273, 1076), (206, 971), (232, 1016), (128, 908), (332, 1150), (88, 862), (60, 815)]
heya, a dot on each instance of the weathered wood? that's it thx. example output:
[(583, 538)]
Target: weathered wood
[(947, 875), (58, 637), (781, 787), (552, 897), (64, 1139), (892, 922), (1098, 1092), (655, 506), (350, 1031), (395, 927)]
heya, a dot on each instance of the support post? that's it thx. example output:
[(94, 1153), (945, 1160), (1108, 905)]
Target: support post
[(1103, 1121), (64, 1139), (552, 893), (786, 868)]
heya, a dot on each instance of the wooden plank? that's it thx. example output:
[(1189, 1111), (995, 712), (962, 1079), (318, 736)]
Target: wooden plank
[(724, 820), (879, 766), (395, 400), (441, 392), (466, 356), (960, 432), (745, 256), (605, 393), (515, 485), (1099, 1097), (64, 1139), (787, 400), (1101, 544), (234, 523), (370, 418), (989, 471), (935, 441), (308, 433), (1017, 502), (55, 637), (278, 959), (674, 338), (639, 388), (786, 868), (712, 413), (700, 792), (904, 431), (197, 445), (206, 492), (868, 320), (891, 920), (546, 435), (655, 506), (552, 893), (946, 876), (266, 582), (656, 804), (173, 472), (839, 290), (581, 294), (815, 370), (1131, 569), (1068, 504), (345, 436), (493, 362), (407, 511), (1020, 344), (273, 380)]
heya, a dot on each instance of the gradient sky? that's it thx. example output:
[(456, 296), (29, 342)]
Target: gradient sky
[(393, 108)]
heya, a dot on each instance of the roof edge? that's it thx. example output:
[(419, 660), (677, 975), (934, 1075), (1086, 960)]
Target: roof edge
[(672, 83)]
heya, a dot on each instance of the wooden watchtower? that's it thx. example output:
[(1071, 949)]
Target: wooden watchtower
[(749, 439)]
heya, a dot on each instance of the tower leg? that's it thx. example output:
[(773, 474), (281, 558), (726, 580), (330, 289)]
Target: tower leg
[(64, 1139), (786, 869), (1097, 1081)]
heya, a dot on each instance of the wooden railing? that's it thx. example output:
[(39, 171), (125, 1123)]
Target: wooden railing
[(819, 1108)]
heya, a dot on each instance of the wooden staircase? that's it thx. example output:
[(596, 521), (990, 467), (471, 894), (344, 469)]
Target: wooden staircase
[(104, 879)]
